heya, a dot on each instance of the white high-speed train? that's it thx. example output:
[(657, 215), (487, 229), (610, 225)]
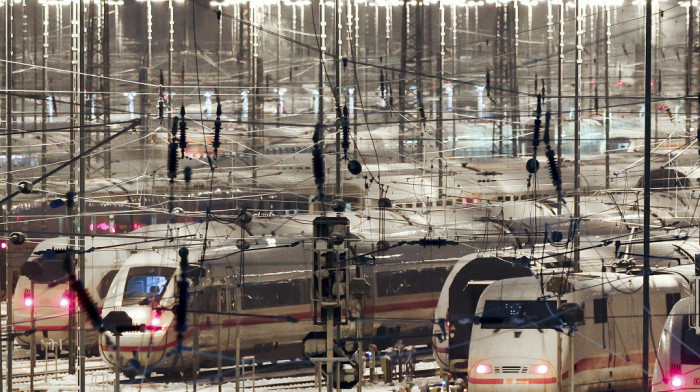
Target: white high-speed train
[(677, 366), (50, 299), (527, 338), (273, 298)]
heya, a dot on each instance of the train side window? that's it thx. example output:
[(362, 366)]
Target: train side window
[(439, 277), (383, 279), (600, 310), (397, 283), (671, 299), (105, 282)]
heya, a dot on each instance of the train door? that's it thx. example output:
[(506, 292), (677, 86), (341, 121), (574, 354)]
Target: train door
[(462, 305)]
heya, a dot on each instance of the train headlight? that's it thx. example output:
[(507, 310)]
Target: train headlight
[(676, 381), (483, 369), (539, 369)]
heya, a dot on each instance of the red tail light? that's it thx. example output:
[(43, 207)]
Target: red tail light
[(154, 323), (28, 299), (64, 302), (676, 381)]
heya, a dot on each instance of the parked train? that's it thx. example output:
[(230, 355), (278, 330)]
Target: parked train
[(49, 301), (547, 332), (677, 366), (38, 221), (273, 294)]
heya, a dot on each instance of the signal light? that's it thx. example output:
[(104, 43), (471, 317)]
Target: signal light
[(28, 299), (483, 369), (3, 245), (539, 369), (677, 381), (620, 83)]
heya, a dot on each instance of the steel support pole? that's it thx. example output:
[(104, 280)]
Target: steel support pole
[(402, 76), (81, 194), (8, 187), (106, 87), (577, 132), (689, 70), (646, 316), (607, 95), (338, 20), (560, 65), (439, 122)]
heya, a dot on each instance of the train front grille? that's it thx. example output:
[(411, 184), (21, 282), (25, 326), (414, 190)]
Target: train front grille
[(510, 369)]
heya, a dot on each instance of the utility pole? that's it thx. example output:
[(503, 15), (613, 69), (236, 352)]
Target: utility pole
[(548, 49), (106, 86), (607, 95), (439, 123), (577, 132), (322, 56), (560, 71), (646, 316), (402, 76), (689, 70), (8, 187), (81, 194), (44, 88), (513, 38), (338, 91), (76, 32)]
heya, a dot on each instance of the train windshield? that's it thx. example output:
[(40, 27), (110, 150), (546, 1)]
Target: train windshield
[(690, 345), (145, 283), (52, 271), (519, 315)]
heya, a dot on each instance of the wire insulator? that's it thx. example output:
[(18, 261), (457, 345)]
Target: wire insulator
[(84, 299), (172, 161), (218, 109), (318, 167), (173, 130), (217, 136), (553, 169), (183, 134), (381, 83), (317, 161), (488, 83), (346, 132), (547, 119), (161, 110), (183, 288)]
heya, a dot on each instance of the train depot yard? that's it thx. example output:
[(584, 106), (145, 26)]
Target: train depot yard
[(368, 195)]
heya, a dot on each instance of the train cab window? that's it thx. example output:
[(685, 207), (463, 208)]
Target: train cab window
[(671, 299), (144, 283), (600, 310), (519, 315), (448, 202), (690, 347), (51, 269), (105, 282)]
